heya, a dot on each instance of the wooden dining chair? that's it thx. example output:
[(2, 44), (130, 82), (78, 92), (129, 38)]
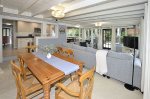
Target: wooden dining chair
[(77, 89), (60, 50), (69, 53), (25, 88), (31, 47), (24, 70)]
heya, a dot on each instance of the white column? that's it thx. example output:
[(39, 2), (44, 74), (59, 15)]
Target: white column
[(91, 37), (79, 33), (141, 38), (96, 34), (100, 39), (43, 29), (144, 49), (113, 39), (88, 34), (15, 42), (1, 45), (57, 30), (147, 65), (82, 31), (84, 34)]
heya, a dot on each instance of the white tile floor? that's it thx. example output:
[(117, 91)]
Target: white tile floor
[(103, 88)]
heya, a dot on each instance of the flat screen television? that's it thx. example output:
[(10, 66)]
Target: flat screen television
[(130, 41)]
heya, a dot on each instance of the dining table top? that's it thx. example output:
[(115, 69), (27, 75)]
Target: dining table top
[(44, 72)]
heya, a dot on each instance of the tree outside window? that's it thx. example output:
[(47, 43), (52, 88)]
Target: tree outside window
[(120, 33)]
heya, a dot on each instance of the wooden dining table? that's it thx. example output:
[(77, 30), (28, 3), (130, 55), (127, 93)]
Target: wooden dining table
[(46, 73)]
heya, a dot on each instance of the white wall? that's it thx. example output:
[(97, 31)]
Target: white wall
[(1, 50), (27, 27)]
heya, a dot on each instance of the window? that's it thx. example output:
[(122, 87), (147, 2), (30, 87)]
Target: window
[(120, 33), (72, 34), (107, 38)]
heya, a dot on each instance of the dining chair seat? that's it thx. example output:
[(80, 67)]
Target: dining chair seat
[(31, 85), (77, 89), (72, 86), (28, 72)]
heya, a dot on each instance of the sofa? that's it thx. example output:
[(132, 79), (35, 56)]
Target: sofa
[(85, 54), (119, 64)]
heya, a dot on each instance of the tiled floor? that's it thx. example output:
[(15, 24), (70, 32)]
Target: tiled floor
[(8, 51)]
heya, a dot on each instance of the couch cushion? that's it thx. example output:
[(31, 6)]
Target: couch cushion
[(68, 45), (80, 48), (92, 50), (120, 55), (74, 46)]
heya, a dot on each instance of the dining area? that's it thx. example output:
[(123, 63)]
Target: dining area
[(36, 72)]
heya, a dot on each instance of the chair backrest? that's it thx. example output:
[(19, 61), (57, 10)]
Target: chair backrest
[(31, 47), (21, 63), (59, 50), (69, 52), (86, 84), (16, 71)]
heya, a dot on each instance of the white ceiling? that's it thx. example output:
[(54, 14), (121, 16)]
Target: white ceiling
[(83, 12)]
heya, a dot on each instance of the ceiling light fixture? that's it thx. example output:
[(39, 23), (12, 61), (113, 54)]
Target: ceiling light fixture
[(98, 24), (58, 13), (77, 26)]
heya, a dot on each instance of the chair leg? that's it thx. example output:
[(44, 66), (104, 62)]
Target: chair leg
[(89, 97), (71, 78), (18, 95), (23, 96), (57, 93)]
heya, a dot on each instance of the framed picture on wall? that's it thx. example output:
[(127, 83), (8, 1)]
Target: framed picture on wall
[(62, 28)]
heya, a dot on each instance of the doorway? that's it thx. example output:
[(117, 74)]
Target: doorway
[(106, 36), (7, 38)]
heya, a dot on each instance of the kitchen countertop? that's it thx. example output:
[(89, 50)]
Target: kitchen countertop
[(25, 37)]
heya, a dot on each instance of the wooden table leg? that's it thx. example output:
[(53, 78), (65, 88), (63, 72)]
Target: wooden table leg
[(46, 89)]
